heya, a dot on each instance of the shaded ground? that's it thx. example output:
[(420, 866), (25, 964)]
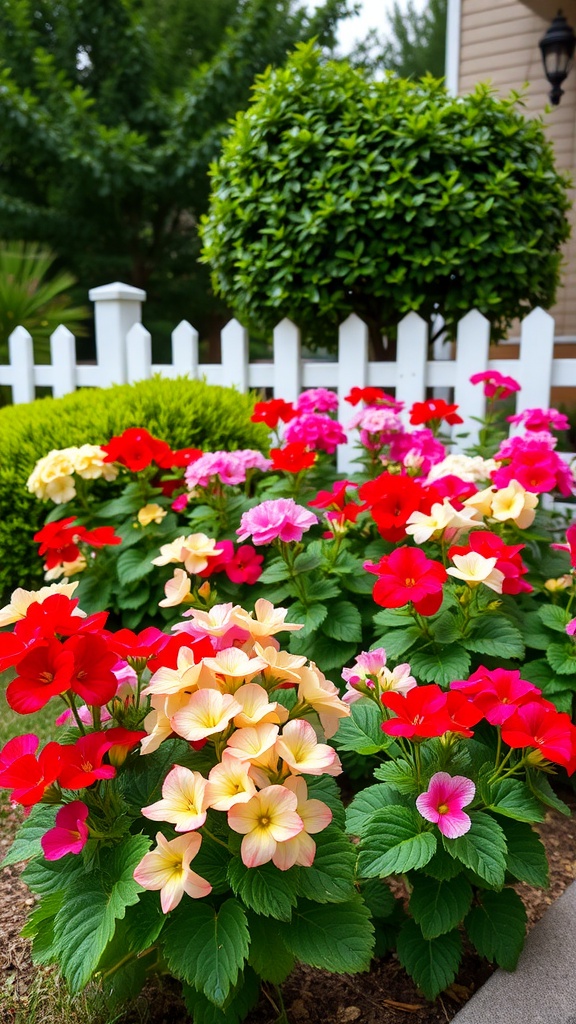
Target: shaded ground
[(385, 996)]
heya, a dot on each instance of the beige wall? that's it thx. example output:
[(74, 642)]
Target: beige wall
[(499, 43)]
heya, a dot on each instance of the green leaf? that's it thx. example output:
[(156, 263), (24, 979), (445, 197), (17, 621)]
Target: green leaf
[(117, 508), (337, 937), (526, 857), (212, 862), (87, 918), (364, 805), (441, 665), (241, 999), (264, 889), (45, 877), (276, 572), (306, 561), (495, 636), (328, 654), (562, 658), (442, 866), (542, 789), (321, 590), (362, 731), (398, 774), (445, 628), (392, 618), (325, 788), (311, 617), (144, 922), (393, 843), (439, 906), (482, 849), (497, 926), (27, 841), (140, 781), (380, 901), (268, 954), (343, 622), (330, 879), (132, 566), (513, 799), (40, 928), (397, 642), (94, 591), (433, 963), (554, 617), (207, 948)]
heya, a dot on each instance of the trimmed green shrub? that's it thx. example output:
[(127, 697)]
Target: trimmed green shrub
[(182, 412)]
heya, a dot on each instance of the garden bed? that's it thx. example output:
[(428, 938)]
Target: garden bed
[(385, 996)]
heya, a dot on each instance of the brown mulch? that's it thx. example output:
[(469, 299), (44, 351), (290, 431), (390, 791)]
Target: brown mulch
[(384, 996)]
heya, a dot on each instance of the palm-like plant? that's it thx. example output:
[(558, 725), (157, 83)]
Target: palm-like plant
[(34, 298)]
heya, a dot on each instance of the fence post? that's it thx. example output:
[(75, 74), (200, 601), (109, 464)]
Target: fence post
[(535, 360), (185, 350), (117, 307), (287, 361), (63, 357), (472, 351), (21, 357), (411, 360), (138, 354), (234, 339), (352, 371)]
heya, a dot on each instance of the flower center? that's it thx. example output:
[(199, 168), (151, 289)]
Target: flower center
[(443, 809), (264, 821)]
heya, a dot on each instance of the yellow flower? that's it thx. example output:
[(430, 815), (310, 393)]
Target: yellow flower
[(152, 513), (194, 551), (89, 463), (562, 583), (167, 868), (474, 569), (516, 503)]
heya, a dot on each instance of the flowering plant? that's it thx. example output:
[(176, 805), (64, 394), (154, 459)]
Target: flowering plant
[(188, 818)]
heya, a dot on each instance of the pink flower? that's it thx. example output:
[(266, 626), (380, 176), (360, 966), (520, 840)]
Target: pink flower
[(316, 430), (571, 627), (418, 448), (317, 400), (541, 419), (496, 385), (70, 833), (531, 460), (229, 467), (280, 518), (443, 801)]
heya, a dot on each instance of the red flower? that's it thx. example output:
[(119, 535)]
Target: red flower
[(82, 762), (372, 396), (136, 449), (12, 650), (392, 499), (123, 740), (245, 566), (168, 656), (499, 692), (27, 775), (272, 412), (336, 498), (496, 385), (420, 712), (58, 541), (533, 725), (101, 537), (408, 575), (180, 458), (44, 672), (218, 562), (434, 410), (146, 644), (55, 616), (92, 677), (462, 712), (293, 458)]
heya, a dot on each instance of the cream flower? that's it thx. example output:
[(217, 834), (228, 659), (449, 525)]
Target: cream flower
[(316, 816), (482, 501), (183, 801), (177, 589), (194, 550), (185, 677), (152, 513), (22, 599), (423, 526), (89, 463), (167, 868), (206, 712), (472, 468), (257, 708), (215, 623), (229, 783), (267, 819), (267, 620), (281, 667), (299, 749), (321, 695), (158, 721), (516, 503), (52, 476), (474, 569), (255, 744), (232, 667)]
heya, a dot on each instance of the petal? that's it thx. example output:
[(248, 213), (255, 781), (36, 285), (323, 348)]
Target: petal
[(172, 892), (258, 847), (454, 824), (196, 886)]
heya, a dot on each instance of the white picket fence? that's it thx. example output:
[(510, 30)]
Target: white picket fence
[(124, 355)]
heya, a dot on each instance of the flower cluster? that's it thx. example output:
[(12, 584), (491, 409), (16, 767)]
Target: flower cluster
[(53, 476), (59, 545)]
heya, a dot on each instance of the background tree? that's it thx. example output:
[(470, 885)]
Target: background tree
[(111, 113), (336, 194), (414, 44)]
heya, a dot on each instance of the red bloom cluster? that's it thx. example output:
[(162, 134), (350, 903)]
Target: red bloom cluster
[(408, 575), (293, 458), (272, 412), (341, 509), (434, 410), (372, 396), (392, 499), (137, 449), (509, 562), (59, 541), (429, 711)]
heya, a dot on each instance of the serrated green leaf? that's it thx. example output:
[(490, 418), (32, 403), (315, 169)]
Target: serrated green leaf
[(337, 937), (542, 789), (494, 636), (307, 560), (392, 618), (496, 926), (512, 798), (343, 622), (364, 805), (311, 617), (526, 856), (140, 781), (330, 879), (554, 617), (241, 999), (439, 906), (380, 901), (482, 849), (398, 774), (212, 862), (432, 963), (362, 731), (441, 665), (87, 918), (398, 641), (321, 590), (125, 505), (445, 628), (442, 866), (144, 922), (265, 889), (49, 876), (562, 658), (325, 788), (94, 591), (268, 954), (207, 948), (27, 841), (393, 843), (133, 565)]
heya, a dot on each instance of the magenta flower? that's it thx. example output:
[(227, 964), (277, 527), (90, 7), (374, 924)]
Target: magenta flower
[(443, 801), (496, 385), (571, 627), (70, 833), (317, 400), (280, 519), (317, 431), (230, 467), (541, 419)]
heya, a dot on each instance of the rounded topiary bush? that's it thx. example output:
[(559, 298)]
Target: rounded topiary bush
[(183, 412), (337, 194)]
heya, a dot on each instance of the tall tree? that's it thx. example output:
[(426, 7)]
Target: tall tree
[(111, 114), (414, 44)]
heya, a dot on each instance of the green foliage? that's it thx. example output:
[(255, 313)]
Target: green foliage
[(496, 926), (27, 842), (336, 194), (439, 906), (393, 842), (335, 938), (433, 963), (482, 849), (206, 948), (182, 412)]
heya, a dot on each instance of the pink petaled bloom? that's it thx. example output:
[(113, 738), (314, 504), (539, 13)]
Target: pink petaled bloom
[(70, 833), (317, 431), (496, 385), (571, 627), (230, 467), (317, 400), (443, 801), (167, 868), (531, 460), (541, 419), (280, 518), (418, 448)]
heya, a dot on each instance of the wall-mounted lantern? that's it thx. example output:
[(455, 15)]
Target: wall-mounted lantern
[(557, 46)]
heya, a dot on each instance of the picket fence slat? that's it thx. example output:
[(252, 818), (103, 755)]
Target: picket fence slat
[(124, 354)]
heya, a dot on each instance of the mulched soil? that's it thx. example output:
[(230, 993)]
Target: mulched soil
[(384, 996)]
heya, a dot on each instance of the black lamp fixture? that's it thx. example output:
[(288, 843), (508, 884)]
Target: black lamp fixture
[(557, 46)]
